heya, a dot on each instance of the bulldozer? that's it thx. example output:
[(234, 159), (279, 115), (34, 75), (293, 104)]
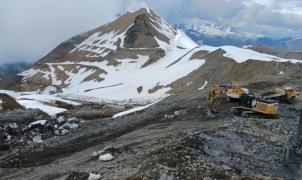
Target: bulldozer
[(285, 94), (247, 104)]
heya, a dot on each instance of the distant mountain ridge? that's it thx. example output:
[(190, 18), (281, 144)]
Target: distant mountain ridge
[(210, 28), (215, 34)]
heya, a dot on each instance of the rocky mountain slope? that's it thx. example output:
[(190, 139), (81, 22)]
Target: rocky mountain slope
[(275, 52), (140, 57), (137, 55)]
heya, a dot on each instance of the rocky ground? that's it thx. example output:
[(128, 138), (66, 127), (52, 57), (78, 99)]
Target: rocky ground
[(173, 139)]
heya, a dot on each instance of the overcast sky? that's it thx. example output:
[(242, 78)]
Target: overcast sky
[(29, 29)]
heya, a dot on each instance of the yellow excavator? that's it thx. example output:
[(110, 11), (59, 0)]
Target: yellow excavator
[(233, 92), (285, 94), (247, 104)]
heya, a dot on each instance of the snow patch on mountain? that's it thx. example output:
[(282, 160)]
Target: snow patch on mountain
[(31, 72), (133, 110), (122, 82), (50, 110), (46, 98), (100, 44), (43, 102), (241, 55), (182, 40)]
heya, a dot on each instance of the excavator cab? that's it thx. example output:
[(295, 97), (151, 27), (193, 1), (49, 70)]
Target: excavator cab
[(248, 101)]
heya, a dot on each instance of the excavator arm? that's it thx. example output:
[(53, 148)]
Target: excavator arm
[(213, 93), (232, 91)]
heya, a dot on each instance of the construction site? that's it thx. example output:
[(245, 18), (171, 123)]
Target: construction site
[(222, 133), (138, 99)]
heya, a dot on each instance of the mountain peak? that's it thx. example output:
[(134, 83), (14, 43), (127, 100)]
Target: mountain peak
[(138, 53), (137, 29), (147, 30), (143, 10)]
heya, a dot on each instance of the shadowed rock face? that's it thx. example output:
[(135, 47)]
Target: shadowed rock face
[(141, 34), (62, 52), (8, 103), (11, 83)]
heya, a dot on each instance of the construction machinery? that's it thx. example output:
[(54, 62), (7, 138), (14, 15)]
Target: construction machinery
[(213, 93), (286, 94), (250, 104), (247, 104), (232, 91)]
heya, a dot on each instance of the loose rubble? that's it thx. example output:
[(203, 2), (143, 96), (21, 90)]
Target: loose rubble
[(26, 128), (64, 126), (174, 139)]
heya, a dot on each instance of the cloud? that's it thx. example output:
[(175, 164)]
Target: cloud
[(270, 17), (273, 18), (32, 28)]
